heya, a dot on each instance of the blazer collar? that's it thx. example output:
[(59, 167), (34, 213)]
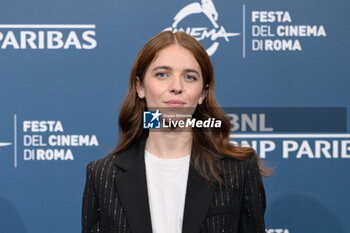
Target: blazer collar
[(132, 189)]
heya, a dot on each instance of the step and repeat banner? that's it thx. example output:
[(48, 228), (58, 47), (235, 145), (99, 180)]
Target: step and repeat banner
[(282, 74)]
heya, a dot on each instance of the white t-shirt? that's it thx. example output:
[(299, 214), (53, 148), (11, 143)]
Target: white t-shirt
[(166, 184)]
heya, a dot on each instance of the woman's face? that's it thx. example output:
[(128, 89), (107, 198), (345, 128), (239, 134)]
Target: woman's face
[(174, 79)]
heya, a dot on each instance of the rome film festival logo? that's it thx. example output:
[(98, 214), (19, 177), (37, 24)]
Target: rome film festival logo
[(45, 140), (3, 144), (207, 8)]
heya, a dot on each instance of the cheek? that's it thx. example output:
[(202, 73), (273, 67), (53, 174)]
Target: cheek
[(196, 94), (153, 90)]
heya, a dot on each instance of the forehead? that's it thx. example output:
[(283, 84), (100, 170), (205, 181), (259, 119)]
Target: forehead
[(176, 57)]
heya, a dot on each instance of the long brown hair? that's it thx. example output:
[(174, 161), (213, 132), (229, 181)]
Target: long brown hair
[(208, 146)]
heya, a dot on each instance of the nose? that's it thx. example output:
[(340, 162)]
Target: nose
[(176, 85)]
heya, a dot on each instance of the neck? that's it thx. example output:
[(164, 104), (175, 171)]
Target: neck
[(169, 145)]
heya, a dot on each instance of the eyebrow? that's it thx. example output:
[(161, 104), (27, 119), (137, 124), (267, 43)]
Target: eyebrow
[(169, 68)]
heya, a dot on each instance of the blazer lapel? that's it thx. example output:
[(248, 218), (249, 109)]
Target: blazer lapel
[(199, 196), (132, 187)]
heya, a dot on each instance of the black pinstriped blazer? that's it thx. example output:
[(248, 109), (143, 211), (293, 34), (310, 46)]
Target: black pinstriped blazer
[(115, 197)]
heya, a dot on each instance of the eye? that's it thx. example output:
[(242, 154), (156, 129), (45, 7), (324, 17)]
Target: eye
[(190, 78), (161, 75)]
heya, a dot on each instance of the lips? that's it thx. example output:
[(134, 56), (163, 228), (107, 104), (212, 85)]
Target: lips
[(174, 103)]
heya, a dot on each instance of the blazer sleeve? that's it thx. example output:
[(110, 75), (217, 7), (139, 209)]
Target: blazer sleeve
[(254, 200), (90, 210)]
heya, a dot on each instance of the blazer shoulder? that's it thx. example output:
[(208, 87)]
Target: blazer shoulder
[(237, 164), (99, 165), (251, 162)]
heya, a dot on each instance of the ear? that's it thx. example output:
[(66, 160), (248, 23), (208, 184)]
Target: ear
[(139, 88), (204, 94)]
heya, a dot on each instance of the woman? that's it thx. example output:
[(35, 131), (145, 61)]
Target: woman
[(186, 180)]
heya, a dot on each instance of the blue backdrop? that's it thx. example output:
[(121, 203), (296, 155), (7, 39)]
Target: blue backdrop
[(281, 69)]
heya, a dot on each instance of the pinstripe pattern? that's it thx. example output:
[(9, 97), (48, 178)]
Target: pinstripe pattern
[(238, 207)]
